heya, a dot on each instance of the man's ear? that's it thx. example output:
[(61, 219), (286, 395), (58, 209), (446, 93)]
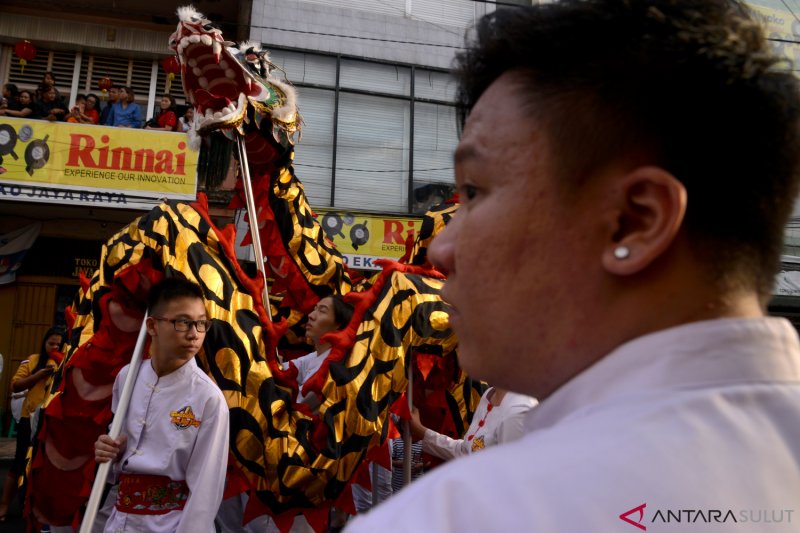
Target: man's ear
[(150, 323), (650, 206)]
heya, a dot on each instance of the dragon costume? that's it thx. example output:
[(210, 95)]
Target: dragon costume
[(288, 458)]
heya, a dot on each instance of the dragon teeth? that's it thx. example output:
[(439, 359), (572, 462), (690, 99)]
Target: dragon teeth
[(217, 47), (206, 40), (194, 38)]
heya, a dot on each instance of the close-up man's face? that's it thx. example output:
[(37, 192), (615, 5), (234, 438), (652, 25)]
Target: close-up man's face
[(516, 250)]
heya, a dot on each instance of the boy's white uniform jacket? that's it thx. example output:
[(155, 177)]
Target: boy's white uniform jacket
[(177, 426)]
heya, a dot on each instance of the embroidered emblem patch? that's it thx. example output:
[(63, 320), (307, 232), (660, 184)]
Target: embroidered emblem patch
[(183, 418), (478, 444)]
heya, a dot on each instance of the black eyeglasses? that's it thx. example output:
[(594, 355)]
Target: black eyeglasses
[(184, 324)]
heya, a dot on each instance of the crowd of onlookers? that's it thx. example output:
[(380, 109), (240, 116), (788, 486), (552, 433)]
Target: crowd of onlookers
[(121, 110)]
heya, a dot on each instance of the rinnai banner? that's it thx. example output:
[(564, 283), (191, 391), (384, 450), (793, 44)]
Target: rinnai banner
[(74, 164), (13, 247), (364, 238), (782, 28)]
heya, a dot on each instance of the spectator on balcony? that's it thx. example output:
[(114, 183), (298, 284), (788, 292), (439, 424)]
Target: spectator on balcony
[(77, 110), (113, 98), (126, 113), (10, 98), (51, 107), (186, 120), (165, 118), (85, 110), (92, 110), (25, 107), (48, 82)]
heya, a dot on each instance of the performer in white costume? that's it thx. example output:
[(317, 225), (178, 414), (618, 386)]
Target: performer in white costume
[(172, 453), (330, 314), (499, 417)]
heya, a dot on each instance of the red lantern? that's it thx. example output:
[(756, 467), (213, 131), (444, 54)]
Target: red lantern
[(26, 52), (105, 84), (171, 67)]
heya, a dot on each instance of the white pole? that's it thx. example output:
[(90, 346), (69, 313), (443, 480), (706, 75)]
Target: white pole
[(116, 426), (251, 212)]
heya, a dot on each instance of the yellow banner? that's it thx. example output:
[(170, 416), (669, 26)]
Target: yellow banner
[(364, 238), (84, 164), (782, 28)]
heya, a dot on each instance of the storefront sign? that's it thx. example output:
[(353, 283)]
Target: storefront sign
[(62, 257), (72, 164), (362, 239), (85, 266)]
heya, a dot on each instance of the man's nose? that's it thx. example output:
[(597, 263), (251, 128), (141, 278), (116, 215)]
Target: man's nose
[(441, 252)]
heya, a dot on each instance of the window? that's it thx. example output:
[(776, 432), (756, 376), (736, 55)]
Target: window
[(363, 160), (135, 73), (314, 152), (435, 140), (375, 77), (372, 153)]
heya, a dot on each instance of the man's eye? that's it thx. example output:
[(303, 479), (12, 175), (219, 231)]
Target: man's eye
[(184, 322), (468, 191)]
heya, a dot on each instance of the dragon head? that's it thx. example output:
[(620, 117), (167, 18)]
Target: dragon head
[(222, 80)]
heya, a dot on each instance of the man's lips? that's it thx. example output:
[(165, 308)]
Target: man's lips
[(453, 316), (452, 311)]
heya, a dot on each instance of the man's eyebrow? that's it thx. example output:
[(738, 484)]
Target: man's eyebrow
[(464, 152)]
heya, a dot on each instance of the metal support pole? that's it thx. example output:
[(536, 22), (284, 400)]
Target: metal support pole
[(407, 452)]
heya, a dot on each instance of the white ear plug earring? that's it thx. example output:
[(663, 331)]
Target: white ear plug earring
[(622, 252)]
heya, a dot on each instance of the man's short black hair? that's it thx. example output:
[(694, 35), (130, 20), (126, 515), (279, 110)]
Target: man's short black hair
[(170, 289), (342, 311), (691, 86)]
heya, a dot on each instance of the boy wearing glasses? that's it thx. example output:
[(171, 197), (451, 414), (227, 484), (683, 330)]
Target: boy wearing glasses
[(172, 452)]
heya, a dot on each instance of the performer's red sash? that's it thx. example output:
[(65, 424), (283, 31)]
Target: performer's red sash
[(147, 494)]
